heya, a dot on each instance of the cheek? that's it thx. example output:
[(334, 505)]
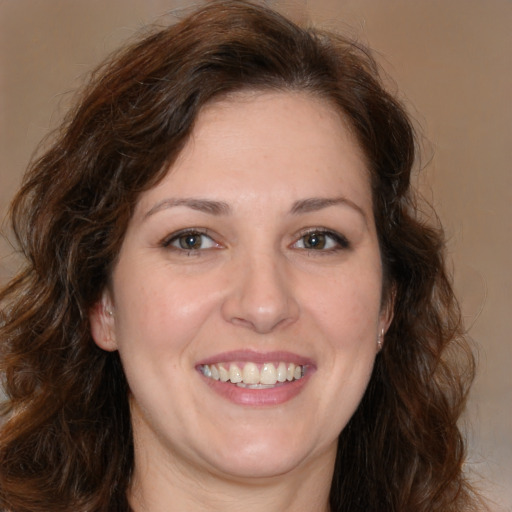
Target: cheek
[(160, 312), (347, 309)]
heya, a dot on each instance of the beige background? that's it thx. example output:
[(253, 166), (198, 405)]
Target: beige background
[(451, 59)]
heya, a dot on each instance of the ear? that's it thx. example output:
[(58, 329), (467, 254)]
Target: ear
[(102, 322), (386, 316)]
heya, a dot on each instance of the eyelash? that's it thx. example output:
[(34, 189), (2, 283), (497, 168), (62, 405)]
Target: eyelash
[(340, 242), (325, 236), (183, 234)]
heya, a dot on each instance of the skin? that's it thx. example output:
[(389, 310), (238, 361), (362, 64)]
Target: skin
[(252, 284)]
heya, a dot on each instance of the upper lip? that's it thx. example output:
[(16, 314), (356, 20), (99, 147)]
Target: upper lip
[(257, 357)]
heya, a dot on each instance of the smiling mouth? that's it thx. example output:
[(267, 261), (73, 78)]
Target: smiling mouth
[(253, 376)]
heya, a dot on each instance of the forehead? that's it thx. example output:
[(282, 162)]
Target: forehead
[(265, 143), (274, 117)]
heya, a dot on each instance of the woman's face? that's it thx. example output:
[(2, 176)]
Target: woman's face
[(247, 295)]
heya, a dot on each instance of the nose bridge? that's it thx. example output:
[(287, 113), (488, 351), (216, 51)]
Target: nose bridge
[(261, 295)]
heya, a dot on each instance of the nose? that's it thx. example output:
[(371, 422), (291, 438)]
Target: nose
[(260, 295)]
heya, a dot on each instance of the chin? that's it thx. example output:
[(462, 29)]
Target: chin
[(259, 465), (266, 457)]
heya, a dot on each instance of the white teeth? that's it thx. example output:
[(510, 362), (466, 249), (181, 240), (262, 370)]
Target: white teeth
[(268, 374), (281, 372), (235, 375), (251, 376), (223, 373)]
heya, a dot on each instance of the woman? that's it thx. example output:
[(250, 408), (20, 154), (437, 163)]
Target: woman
[(230, 296)]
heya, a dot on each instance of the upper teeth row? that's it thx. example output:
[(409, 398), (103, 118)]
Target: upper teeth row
[(251, 374)]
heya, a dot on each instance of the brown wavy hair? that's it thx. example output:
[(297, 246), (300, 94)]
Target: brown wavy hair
[(66, 439)]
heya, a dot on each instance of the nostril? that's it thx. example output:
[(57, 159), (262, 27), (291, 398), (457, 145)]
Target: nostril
[(241, 322), (264, 320)]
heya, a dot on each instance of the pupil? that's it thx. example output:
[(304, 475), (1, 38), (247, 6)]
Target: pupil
[(315, 241), (190, 241)]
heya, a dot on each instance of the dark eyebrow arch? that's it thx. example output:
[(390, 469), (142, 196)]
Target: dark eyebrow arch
[(202, 205), (314, 204)]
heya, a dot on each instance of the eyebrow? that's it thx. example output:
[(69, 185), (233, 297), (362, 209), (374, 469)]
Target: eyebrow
[(211, 207), (202, 205), (314, 204)]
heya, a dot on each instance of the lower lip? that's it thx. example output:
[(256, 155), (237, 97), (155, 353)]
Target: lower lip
[(257, 397)]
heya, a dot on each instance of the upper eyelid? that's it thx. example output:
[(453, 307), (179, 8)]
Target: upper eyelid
[(181, 232), (337, 236), (323, 230)]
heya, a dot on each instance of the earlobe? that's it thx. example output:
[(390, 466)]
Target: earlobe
[(386, 317), (102, 322)]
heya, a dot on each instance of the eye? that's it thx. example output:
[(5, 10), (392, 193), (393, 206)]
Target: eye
[(321, 240), (190, 240)]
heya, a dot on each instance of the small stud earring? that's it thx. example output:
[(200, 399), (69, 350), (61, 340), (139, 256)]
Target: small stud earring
[(110, 312)]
